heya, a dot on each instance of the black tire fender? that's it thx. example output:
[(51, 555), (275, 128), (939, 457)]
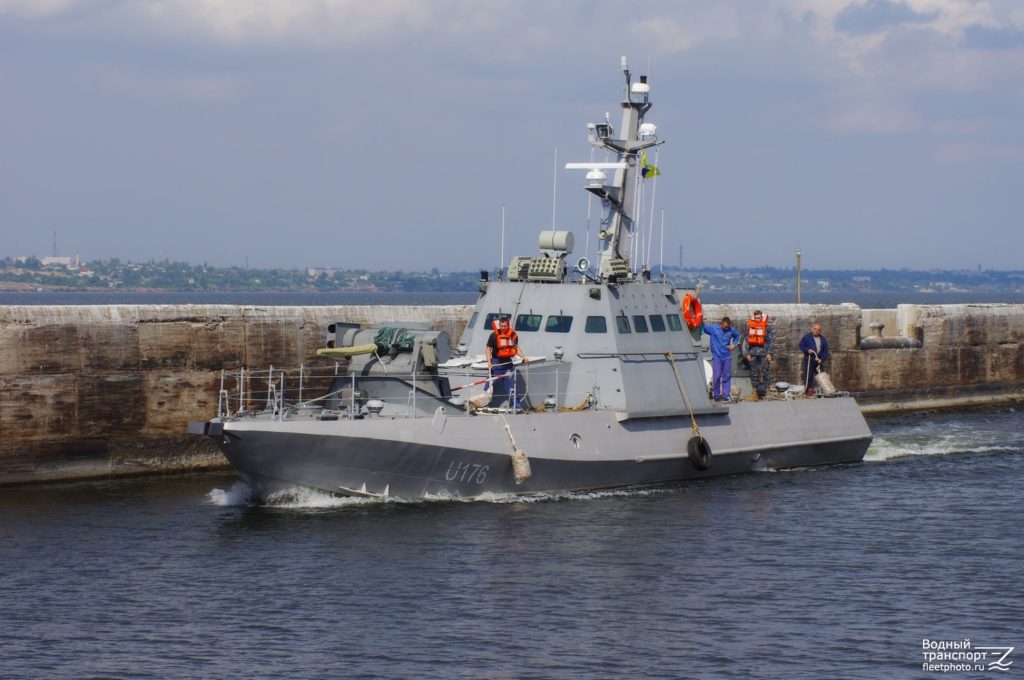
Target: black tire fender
[(700, 452)]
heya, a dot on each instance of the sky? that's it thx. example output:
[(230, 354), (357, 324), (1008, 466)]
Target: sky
[(392, 134)]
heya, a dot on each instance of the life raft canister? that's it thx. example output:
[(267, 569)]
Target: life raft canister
[(693, 314)]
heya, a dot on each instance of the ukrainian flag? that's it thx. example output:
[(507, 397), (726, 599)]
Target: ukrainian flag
[(646, 169)]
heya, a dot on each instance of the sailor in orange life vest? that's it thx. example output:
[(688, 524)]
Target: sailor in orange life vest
[(502, 347), (760, 337)]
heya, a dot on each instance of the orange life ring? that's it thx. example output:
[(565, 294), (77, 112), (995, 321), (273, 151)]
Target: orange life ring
[(693, 315)]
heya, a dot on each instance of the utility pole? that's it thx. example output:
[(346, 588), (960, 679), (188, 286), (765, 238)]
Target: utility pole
[(798, 276)]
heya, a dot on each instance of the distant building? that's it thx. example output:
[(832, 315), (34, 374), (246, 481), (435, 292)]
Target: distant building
[(316, 272), (61, 261), (52, 261)]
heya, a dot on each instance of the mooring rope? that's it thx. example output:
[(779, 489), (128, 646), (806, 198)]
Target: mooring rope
[(686, 399)]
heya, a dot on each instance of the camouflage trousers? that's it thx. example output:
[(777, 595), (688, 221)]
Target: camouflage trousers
[(760, 374)]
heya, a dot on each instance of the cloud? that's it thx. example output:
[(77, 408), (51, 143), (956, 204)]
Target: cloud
[(196, 87), (34, 8), (980, 153), (296, 23), (918, 67), (987, 38), (875, 16), (666, 34), (856, 114), (313, 22)]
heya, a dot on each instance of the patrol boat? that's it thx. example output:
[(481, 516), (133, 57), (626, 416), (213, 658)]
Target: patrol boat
[(614, 392)]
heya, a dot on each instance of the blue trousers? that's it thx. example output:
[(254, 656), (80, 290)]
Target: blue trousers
[(508, 379), (721, 376)]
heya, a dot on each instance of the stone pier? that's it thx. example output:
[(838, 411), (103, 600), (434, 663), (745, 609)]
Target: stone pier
[(102, 390), (928, 355), (93, 391)]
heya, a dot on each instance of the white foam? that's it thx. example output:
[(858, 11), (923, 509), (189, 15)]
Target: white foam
[(901, 446), (303, 498), (545, 497), (239, 494)]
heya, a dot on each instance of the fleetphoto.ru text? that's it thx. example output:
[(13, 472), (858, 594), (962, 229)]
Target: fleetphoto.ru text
[(949, 656)]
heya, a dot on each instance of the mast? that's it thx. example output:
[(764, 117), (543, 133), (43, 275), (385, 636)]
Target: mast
[(619, 196)]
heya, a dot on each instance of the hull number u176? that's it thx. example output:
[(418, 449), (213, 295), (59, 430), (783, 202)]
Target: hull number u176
[(474, 473)]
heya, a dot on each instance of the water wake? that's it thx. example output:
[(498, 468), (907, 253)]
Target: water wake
[(547, 497), (297, 498), (240, 494), (889, 447), (301, 498), (304, 498)]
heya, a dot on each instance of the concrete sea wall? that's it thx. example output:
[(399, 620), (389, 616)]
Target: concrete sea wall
[(103, 390), (965, 353), (89, 391)]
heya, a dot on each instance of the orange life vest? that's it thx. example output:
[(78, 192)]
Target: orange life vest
[(757, 332), (508, 342)]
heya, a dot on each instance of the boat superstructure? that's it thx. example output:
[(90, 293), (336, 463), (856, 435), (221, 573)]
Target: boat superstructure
[(614, 391)]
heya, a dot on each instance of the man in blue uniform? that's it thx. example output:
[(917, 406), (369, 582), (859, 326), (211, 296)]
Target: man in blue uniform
[(815, 349), (722, 338)]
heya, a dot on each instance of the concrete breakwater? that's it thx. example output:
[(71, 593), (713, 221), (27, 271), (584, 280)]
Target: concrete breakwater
[(101, 390), (89, 391)]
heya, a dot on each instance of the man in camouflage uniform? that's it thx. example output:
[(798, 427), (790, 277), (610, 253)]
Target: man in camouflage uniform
[(759, 338)]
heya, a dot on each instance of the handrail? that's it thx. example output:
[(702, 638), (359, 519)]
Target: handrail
[(314, 393), (658, 355), (294, 396)]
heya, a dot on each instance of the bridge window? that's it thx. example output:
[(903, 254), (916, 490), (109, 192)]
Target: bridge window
[(622, 324), (558, 324), (640, 323), (492, 317), (472, 319), (657, 323), (673, 322), (596, 324), (528, 322)]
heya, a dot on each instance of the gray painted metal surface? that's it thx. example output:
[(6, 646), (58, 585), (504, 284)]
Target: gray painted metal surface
[(615, 387)]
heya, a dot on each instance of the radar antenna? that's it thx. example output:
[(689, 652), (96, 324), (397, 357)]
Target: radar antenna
[(618, 196)]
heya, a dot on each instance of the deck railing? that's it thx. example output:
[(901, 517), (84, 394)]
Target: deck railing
[(315, 392)]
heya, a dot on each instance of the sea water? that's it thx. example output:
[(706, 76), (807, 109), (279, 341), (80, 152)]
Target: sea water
[(852, 571)]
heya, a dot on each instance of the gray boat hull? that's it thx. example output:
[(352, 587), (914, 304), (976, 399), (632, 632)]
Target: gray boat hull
[(467, 457)]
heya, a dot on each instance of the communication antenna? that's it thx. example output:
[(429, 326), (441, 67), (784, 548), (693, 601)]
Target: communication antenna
[(554, 190), (650, 219), (661, 258), (590, 203), (501, 262), (54, 241)]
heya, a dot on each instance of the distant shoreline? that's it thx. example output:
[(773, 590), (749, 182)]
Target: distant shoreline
[(866, 299)]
